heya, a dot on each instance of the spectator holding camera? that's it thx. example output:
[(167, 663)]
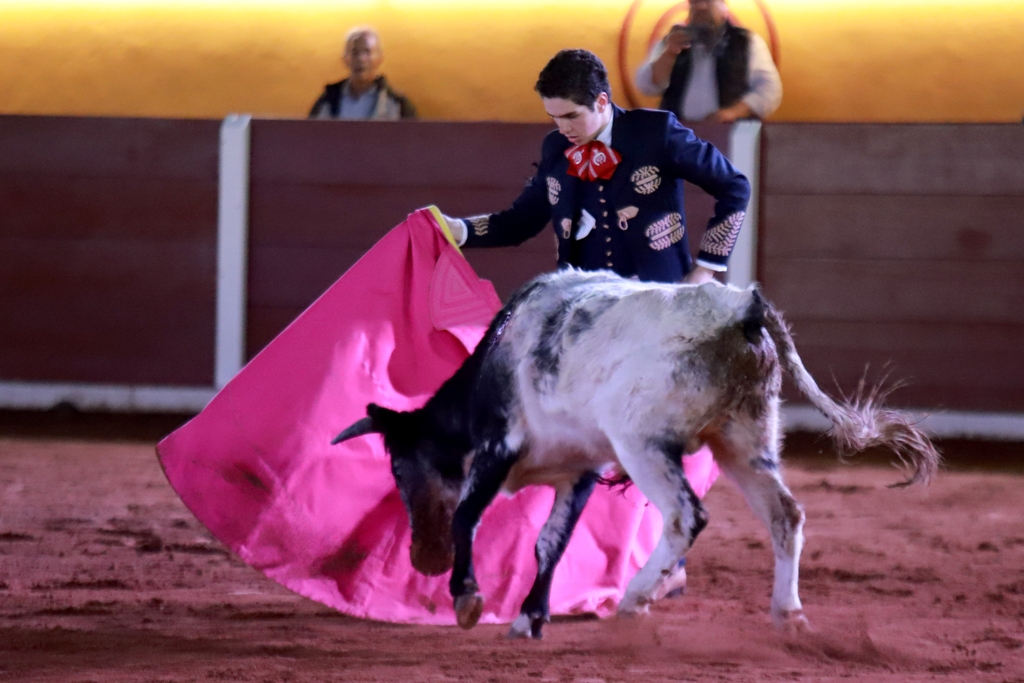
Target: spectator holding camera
[(365, 94), (712, 70)]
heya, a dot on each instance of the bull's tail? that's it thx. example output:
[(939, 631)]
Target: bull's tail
[(859, 422)]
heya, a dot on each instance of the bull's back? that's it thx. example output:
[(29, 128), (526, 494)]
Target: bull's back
[(575, 330), (590, 352)]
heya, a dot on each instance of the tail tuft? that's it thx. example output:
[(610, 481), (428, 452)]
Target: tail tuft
[(858, 421), (865, 424)]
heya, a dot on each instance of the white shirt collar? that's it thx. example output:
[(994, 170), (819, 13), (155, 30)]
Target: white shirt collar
[(605, 135)]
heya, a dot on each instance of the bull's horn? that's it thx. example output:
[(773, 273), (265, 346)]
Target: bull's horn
[(364, 426)]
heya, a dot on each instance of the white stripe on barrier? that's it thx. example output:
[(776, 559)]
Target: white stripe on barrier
[(940, 423), (232, 247), (151, 399), (43, 396), (745, 154)]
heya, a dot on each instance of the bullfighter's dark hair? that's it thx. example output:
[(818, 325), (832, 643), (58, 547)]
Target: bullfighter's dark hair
[(576, 75)]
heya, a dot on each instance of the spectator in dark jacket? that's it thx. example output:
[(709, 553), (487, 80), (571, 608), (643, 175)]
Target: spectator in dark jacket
[(365, 94)]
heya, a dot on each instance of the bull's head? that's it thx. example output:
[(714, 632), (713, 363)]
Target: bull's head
[(429, 479)]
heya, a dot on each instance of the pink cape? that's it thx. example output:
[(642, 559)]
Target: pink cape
[(257, 468)]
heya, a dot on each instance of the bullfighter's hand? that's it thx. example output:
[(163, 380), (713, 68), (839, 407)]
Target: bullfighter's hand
[(698, 276), (457, 228)]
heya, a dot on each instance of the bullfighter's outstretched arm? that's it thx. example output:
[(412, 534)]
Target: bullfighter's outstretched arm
[(529, 213)]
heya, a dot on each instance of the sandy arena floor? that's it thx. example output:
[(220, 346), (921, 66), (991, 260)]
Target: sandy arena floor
[(105, 576)]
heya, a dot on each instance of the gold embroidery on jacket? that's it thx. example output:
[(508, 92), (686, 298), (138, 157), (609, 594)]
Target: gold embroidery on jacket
[(646, 179), (566, 228), (625, 215), (665, 232), (554, 189), (720, 239), (481, 224)]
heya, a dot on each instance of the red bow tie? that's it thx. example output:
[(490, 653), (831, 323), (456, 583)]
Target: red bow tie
[(592, 161)]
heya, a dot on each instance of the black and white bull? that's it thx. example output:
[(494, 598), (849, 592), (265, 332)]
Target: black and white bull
[(585, 373)]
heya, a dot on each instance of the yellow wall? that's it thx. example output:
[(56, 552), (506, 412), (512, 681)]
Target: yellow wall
[(841, 60)]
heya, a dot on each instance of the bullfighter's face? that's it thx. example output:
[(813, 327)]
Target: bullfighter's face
[(579, 123)]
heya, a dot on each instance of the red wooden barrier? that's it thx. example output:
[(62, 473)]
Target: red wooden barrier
[(107, 250), (902, 245), (881, 243)]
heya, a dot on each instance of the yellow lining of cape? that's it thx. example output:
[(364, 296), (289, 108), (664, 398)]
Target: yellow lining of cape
[(444, 228)]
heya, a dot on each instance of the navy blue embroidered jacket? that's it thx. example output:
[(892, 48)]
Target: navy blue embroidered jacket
[(640, 227)]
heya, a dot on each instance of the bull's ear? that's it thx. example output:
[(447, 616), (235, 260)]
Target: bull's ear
[(363, 426)]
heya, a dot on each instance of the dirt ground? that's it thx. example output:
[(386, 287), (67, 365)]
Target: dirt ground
[(105, 576)]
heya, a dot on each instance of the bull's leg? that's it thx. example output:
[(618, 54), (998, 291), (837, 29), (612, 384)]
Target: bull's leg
[(656, 468), (747, 451), (491, 465), (554, 537)]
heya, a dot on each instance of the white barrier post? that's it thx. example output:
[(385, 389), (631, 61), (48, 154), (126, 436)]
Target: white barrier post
[(232, 247), (745, 154)]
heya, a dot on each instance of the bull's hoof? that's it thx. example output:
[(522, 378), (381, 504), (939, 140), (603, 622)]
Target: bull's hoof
[(522, 627), (468, 608), (673, 586), (526, 626), (634, 605), (791, 621)]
